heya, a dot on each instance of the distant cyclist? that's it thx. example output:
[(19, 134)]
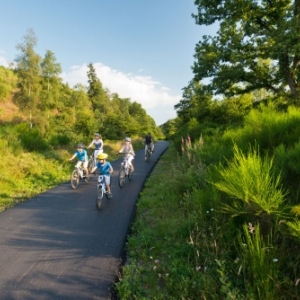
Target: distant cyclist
[(149, 142), (82, 157), (97, 142), (128, 152)]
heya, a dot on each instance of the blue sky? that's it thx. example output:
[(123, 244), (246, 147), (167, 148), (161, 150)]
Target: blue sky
[(142, 49)]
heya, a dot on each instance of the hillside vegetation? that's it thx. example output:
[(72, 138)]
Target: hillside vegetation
[(221, 220)]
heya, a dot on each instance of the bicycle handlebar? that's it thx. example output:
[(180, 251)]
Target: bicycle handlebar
[(124, 153)]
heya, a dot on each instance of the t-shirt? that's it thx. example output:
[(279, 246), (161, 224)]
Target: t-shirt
[(81, 155), (104, 169), (98, 144), (148, 139)]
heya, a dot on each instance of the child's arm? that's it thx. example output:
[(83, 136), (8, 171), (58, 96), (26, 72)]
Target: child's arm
[(90, 145), (94, 169), (122, 150), (73, 157)]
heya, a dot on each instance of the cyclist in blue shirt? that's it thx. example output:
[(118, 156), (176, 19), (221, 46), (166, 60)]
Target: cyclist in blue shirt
[(104, 168), (82, 157)]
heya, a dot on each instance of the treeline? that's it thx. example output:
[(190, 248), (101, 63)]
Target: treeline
[(55, 114)]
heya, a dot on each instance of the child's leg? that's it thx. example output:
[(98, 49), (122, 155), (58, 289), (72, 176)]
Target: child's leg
[(84, 165), (131, 164), (107, 182)]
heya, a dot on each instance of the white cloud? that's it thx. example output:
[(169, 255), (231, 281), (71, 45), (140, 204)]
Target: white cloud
[(155, 98), (3, 61)]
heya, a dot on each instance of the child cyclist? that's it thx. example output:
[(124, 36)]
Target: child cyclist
[(128, 152), (104, 168), (82, 157)]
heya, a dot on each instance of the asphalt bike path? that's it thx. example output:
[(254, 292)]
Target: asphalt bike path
[(57, 245)]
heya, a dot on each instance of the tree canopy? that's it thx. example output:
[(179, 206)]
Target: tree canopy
[(257, 46)]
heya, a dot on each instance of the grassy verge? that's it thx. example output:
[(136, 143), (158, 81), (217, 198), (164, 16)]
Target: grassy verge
[(183, 245), (162, 261)]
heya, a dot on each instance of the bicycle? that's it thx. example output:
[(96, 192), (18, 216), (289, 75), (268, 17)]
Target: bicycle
[(125, 171), (91, 163), (148, 153), (76, 175), (101, 191)]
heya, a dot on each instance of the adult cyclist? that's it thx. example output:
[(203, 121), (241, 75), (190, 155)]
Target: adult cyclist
[(149, 143), (97, 142)]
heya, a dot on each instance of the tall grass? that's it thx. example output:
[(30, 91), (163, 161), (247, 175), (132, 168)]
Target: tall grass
[(250, 181)]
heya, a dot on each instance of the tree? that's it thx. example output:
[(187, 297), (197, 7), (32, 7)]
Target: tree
[(257, 46), (51, 82), (195, 103), (97, 95), (28, 70)]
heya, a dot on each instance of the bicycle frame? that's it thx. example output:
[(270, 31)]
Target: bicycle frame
[(101, 190), (91, 163), (148, 152), (76, 175), (125, 171)]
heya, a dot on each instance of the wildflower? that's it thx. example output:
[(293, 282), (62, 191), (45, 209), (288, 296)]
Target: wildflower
[(211, 209), (167, 274), (275, 259), (240, 269), (156, 261), (251, 228), (207, 211), (236, 260), (297, 281), (154, 268), (198, 268)]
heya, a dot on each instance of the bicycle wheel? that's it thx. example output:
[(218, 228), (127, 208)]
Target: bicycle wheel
[(74, 179), (148, 155), (121, 177), (99, 197), (91, 164)]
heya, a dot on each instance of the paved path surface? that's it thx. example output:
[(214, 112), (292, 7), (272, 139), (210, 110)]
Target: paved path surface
[(57, 245)]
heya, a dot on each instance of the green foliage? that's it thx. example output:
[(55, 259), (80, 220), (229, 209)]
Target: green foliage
[(8, 81), (260, 262), (251, 182), (254, 48), (33, 141)]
